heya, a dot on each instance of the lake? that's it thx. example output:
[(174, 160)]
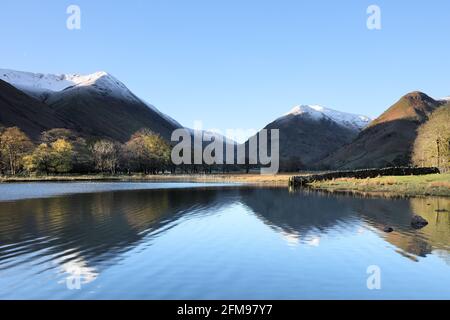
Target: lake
[(217, 241)]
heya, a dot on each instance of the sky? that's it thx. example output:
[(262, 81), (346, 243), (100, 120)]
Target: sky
[(238, 64)]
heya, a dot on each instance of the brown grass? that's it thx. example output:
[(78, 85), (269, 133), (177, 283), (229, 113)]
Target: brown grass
[(436, 184), (278, 179), (440, 184)]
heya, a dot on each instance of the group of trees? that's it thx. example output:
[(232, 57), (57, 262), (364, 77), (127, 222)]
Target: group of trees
[(62, 151), (432, 145)]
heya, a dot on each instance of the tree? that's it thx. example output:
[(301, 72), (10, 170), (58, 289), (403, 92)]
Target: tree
[(82, 160), (56, 157), (62, 155), (148, 152), (14, 144), (106, 155), (3, 162), (41, 160), (432, 145), (52, 135)]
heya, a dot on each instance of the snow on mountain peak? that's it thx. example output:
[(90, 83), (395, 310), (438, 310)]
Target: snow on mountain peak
[(35, 81), (316, 112), (41, 84), (313, 111)]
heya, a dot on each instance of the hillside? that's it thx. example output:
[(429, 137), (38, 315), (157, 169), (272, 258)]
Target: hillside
[(95, 105), (432, 146), (99, 109), (30, 115), (310, 133), (389, 139)]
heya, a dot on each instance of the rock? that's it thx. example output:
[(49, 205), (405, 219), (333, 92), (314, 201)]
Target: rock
[(388, 229), (418, 222)]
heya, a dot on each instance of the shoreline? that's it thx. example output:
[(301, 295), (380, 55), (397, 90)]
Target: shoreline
[(427, 185), (280, 179)]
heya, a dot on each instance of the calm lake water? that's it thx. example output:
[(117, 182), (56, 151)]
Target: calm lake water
[(208, 241)]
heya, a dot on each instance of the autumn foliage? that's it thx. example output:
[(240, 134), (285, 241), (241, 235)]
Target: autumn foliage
[(61, 151)]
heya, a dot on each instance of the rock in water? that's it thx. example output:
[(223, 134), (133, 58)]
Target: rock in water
[(418, 222), (388, 229)]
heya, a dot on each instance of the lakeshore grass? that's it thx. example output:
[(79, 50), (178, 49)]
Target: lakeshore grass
[(252, 178), (426, 185)]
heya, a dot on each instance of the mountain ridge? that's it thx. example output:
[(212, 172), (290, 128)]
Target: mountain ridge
[(308, 133), (311, 136), (96, 105), (317, 112), (44, 86), (388, 140)]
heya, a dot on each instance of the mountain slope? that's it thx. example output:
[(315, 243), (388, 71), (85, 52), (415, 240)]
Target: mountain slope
[(388, 140), (30, 115), (99, 110), (95, 105), (310, 133), (348, 120)]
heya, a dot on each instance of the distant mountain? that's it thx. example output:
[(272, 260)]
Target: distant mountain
[(29, 114), (389, 139), (95, 105), (348, 120), (309, 133)]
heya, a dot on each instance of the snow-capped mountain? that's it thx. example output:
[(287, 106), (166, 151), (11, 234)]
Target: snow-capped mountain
[(39, 83), (308, 133), (316, 112), (41, 86), (94, 105)]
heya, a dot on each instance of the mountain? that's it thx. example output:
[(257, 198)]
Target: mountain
[(309, 133), (29, 114), (95, 105), (348, 120), (389, 139)]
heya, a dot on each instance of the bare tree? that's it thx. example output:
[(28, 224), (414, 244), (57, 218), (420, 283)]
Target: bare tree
[(432, 146), (106, 155)]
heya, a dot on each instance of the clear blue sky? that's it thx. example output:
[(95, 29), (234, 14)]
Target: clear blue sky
[(239, 64)]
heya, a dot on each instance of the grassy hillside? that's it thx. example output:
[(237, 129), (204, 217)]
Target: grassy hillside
[(388, 140), (432, 146)]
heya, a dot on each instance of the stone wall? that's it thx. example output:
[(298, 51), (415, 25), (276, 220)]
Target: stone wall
[(361, 174)]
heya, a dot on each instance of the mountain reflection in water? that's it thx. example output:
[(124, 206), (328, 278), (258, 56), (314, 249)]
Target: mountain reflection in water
[(46, 238)]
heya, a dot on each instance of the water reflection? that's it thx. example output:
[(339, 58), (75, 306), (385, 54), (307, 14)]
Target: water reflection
[(305, 213), (87, 233), (94, 228)]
